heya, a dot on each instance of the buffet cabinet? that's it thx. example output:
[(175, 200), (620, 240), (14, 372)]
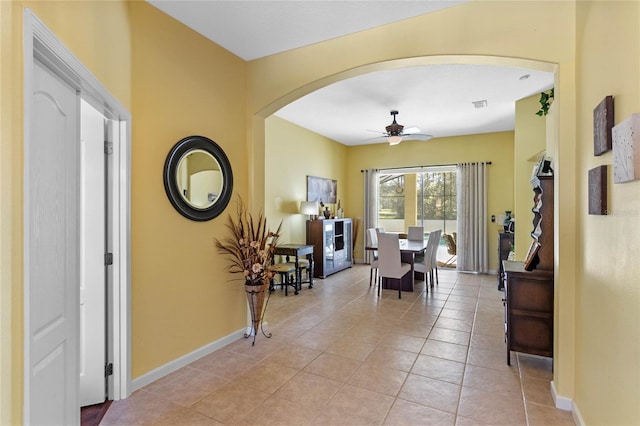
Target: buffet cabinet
[(505, 244), (528, 285), (332, 245), (528, 310)]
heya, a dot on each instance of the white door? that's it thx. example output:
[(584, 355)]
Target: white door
[(92, 257), (51, 252)]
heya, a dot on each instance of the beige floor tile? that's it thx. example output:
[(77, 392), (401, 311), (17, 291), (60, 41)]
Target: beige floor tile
[(409, 413), (537, 391), (402, 342), (535, 366), (294, 356), (230, 404), (189, 387), (490, 342), (378, 379), (445, 350), (333, 366), (494, 408), (266, 376), (438, 368), (543, 415), (455, 324), (431, 392), (361, 404), (490, 380), (457, 314), (278, 411), (450, 336), (350, 348), (392, 358), (490, 359), (314, 340), (309, 389)]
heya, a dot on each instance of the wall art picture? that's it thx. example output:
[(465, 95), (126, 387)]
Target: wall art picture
[(322, 190), (626, 150), (598, 190), (602, 126)]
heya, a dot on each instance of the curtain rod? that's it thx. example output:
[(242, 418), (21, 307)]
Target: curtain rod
[(430, 165)]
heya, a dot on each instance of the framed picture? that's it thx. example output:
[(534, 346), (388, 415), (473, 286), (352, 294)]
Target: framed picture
[(322, 190), (529, 263), (598, 190), (602, 126)]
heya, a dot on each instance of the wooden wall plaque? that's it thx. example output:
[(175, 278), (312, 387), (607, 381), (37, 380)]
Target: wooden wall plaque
[(598, 190), (602, 126)]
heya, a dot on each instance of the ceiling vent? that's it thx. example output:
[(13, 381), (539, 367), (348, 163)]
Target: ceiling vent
[(480, 104)]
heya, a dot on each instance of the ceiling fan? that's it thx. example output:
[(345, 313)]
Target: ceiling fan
[(396, 132)]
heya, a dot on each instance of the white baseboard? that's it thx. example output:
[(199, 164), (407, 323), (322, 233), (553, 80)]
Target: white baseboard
[(566, 404), (170, 367)]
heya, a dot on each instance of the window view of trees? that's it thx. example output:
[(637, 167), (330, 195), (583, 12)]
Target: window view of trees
[(391, 203), (436, 200), (437, 196)]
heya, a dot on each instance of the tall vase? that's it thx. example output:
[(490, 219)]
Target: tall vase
[(256, 293)]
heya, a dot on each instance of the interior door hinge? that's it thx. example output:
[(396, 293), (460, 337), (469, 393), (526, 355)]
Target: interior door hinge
[(108, 259), (108, 147), (108, 369)]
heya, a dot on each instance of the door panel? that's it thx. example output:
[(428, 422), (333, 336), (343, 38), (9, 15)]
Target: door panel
[(51, 251), (92, 249)]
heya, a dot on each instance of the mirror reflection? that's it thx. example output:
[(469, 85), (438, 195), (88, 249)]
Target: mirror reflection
[(199, 178)]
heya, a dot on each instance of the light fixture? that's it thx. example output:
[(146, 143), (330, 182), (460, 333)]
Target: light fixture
[(309, 208), (394, 139), (394, 130)]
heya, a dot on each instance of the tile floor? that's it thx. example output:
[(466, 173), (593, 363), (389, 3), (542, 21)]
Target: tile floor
[(340, 355)]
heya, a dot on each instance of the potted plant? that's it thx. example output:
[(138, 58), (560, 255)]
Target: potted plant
[(250, 249)]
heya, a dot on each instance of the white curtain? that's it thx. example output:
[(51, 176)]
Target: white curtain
[(472, 246), (371, 191)]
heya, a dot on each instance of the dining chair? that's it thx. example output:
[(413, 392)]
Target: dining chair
[(389, 260), (415, 233), (372, 234), (430, 254), (434, 256)]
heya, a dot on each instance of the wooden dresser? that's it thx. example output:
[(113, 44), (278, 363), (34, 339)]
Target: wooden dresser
[(529, 285)]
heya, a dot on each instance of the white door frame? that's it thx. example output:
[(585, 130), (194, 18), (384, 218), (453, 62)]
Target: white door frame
[(40, 42)]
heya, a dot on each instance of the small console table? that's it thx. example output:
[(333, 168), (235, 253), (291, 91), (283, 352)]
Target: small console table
[(297, 251)]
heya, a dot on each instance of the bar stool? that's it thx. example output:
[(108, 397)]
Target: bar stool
[(306, 266), (287, 273)]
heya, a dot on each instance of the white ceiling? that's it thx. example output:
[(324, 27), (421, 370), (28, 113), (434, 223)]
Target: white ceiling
[(438, 99)]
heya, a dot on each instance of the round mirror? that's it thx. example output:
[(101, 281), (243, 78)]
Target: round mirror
[(198, 178)]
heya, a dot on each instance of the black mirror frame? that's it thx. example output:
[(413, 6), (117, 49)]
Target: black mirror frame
[(171, 187)]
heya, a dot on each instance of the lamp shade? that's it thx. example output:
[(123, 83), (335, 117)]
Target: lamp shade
[(394, 140), (309, 207)]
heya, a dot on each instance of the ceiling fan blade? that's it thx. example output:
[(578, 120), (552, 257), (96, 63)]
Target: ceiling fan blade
[(418, 136)]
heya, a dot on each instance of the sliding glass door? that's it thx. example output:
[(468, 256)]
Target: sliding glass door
[(424, 196)]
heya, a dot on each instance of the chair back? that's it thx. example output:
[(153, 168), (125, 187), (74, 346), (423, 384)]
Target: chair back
[(416, 233), (451, 244), (372, 236), (389, 262), (434, 249)]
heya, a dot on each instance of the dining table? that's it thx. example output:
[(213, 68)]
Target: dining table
[(408, 251)]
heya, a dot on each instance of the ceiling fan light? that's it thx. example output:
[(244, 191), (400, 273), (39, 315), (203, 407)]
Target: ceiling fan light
[(394, 140)]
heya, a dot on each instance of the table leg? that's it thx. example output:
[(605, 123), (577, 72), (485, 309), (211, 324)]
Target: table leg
[(310, 271)]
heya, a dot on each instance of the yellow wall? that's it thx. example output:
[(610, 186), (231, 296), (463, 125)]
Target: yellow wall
[(608, 285), (6, 218), (293, 153), (181, 297), (530, 142), (494, 147)]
